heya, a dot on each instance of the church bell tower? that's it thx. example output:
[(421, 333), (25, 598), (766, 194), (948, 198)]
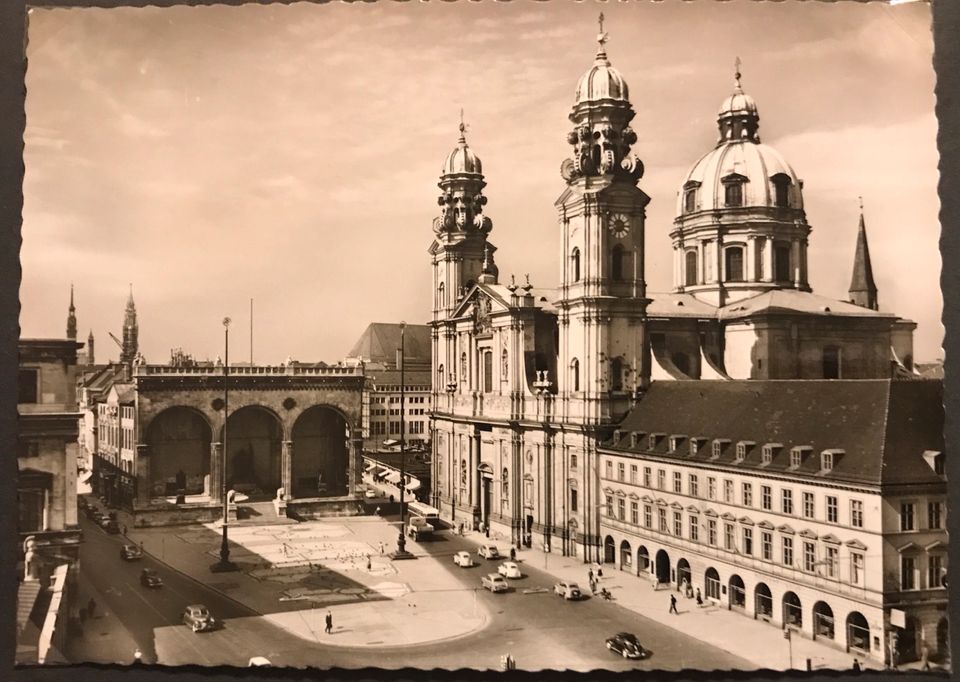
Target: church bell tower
[(602, 306)]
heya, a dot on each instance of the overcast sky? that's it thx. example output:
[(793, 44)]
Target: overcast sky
[(291, 153)]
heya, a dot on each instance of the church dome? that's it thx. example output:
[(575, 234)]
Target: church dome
[(462, 159), (759, 169), (602, 81), (738, 104)]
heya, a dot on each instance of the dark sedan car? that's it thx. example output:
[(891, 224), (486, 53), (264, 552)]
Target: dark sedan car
[(150, 578), (626, 644)]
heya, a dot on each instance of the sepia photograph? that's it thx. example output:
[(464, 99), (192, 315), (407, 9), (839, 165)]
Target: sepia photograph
[(539, 336)]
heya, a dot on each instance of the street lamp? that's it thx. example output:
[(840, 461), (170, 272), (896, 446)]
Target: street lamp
[(225, 564), (402, 552)]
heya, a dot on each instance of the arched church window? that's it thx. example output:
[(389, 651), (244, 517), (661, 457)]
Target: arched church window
[(691, 268), (734, 263), (575, 264), (575, 374), (616, 263), (463, 472), (781, 262), (733, 193), (463, 366), (831, 362), (616, 374), (441, 296), (440, 376), (781, 186), (504, 364), (505, 484)]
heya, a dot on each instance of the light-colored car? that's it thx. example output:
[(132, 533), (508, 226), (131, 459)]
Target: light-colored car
[(258, 661), (567, 590), (488, 552), (463, 559), (509, 569), (370, 492), (494, 582), (131, 553)]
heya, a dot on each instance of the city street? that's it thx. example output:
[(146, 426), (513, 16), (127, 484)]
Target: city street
[(140, 609), (530, 622)]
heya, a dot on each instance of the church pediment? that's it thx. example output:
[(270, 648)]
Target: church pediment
[(481, 302)]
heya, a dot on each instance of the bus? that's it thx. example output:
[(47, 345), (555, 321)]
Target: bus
[(431, 514)]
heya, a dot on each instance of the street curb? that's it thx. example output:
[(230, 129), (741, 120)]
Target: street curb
[(199, 582)]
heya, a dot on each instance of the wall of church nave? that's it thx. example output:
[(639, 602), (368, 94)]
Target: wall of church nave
[(831, 353), (745, 353)]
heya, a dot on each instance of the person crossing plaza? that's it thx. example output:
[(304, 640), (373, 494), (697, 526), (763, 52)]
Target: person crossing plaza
[(673, 605)]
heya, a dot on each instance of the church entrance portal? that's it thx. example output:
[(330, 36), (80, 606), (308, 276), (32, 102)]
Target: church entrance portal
[(320, 454)]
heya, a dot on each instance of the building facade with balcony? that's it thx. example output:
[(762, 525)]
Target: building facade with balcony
[(814, 505)]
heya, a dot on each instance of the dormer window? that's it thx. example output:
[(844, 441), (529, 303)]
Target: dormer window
[(798, 454), (766, 455), (717, 447), (635, 439), (733, 190), (828, 458), (675, 442), (741, 451), (616, 436), (694, 445), (781, 186), (652, 441), (690, 196)]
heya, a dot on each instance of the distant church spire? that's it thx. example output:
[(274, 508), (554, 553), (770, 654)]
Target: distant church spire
[(863, 290), (72, 318), (90, 356), (130, 331)]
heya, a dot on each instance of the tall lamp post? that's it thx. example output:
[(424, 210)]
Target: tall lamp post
[(402, 552), (225, 564)]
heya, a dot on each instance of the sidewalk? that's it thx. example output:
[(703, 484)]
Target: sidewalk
[(753, 640), (104, 638), (294, 574)]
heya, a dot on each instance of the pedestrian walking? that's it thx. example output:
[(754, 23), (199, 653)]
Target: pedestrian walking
[(699, 598), (673, 605), (856, 665), (124, 528), (381, 548), (91, 607), (368, 562), (593, 586), (599, 573), (329, 620), (590, 576)]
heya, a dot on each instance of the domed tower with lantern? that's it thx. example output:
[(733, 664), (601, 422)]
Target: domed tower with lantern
[(602, 296), (740, 228)]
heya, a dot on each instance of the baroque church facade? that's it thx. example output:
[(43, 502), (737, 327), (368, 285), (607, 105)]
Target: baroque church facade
[(528, 381)]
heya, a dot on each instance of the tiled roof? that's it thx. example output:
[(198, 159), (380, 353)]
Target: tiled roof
[(672, 304), (380, 341), (795, 301), (883, 426)]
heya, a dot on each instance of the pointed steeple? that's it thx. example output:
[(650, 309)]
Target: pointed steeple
[(863, 290), (72, 318), (90, 356), (130, 331)]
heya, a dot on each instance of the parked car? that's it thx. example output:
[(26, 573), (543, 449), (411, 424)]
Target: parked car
[(112, 527), (131, 553), (198, 618), (626, 644), (463, 559), (150, 578), (488, 552), (369, 492), (258, 661), (567, 590), (509, 569), (494, 582)]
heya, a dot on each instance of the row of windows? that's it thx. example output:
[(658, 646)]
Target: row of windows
[(619, 264), (910, 572), (745, 544), (733, 192), (382, 428), (734, 264), (412, 399), (798, 454), (935, 519), (806, 506)]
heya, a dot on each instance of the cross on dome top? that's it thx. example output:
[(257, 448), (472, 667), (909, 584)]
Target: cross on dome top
[(736, 74)]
